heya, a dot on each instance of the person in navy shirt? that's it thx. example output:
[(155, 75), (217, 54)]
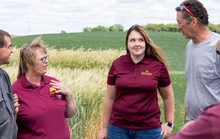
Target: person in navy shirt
[(45, 102), (131, 108)]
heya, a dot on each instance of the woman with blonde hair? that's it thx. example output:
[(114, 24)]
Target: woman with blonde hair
[(45, 102)]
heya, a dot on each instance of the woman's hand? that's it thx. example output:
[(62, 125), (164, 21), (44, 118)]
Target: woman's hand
[(60, 88), (165, 131), (102, 134)]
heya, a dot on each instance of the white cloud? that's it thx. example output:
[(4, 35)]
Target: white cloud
[(23, 17)]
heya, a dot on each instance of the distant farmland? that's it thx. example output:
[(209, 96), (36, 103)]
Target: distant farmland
[(173, 43)]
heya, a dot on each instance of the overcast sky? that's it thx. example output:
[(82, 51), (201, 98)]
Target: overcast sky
[(29, 17)]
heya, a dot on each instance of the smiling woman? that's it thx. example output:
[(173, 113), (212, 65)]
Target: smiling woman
[(131, 109)]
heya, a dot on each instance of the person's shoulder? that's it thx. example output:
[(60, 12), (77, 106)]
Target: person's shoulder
[(2, 71), (121, 58), (153, 60), (47, 77), (215, 106), (16, 83), (216, 34), (21, 79), (212, 114), (190, 42), (213, 110)]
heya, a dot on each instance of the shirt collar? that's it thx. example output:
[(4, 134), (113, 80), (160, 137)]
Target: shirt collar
[(25, 83), (128, 59)]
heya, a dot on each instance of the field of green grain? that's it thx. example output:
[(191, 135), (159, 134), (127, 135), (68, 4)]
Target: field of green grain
[(81, 61)]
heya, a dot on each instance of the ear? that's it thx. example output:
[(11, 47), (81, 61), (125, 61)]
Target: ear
[(28, 65), (194, 21)]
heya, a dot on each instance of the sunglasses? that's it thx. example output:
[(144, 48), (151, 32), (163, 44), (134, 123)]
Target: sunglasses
[(44, 59), (183, 7)]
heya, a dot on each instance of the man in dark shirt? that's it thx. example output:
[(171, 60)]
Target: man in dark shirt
[(8, 102), (206, 126)]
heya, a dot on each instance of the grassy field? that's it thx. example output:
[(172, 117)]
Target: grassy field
[(172, 43), (81, 61)]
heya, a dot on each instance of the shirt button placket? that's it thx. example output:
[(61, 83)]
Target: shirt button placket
[(135, 70)]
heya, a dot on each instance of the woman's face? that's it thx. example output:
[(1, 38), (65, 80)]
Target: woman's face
[(136, 44), (41, 62)]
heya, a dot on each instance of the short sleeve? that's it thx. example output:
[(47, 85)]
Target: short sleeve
[(111, 76), (164, 79)]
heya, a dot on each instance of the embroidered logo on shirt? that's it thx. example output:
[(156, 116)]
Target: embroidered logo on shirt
[(146, 73)]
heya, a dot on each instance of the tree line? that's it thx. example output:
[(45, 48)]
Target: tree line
[(148, 27)]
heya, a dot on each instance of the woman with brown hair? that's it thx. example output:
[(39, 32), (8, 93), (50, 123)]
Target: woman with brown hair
[(131, 108)]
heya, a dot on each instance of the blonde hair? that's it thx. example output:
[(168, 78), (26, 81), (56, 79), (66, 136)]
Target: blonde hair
[(28, 55)]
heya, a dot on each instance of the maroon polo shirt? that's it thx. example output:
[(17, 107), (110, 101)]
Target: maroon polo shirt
[(41, 115), (206, 126), (136, 104)]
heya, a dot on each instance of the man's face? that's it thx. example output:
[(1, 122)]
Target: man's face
[(6, 51), (183, 27)]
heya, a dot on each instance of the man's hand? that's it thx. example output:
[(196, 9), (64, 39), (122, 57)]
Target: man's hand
[(16, 105)]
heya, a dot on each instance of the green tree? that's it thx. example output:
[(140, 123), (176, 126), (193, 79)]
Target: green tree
[(172, 27), (218, 28), (63, 32), (116, 27), (100, 28), (212, 27), (113, 28), (87, 29)]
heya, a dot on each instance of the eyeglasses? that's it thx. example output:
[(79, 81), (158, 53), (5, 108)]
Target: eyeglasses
[(183, 7), (44, 59)]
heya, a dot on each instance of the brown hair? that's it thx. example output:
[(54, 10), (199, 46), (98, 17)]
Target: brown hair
[(2, 37), (198, 9)]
